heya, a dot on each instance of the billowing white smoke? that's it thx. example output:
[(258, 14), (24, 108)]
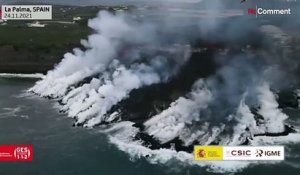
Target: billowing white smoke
[(177, 120), (245, 120), (114, 76), (101, 49), (90, 82), (298, 94), (121, 135), (112, 91), (185, 110), (171, 122), (273, 117)]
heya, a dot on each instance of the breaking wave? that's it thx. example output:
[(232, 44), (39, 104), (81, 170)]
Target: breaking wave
[(8, 75)]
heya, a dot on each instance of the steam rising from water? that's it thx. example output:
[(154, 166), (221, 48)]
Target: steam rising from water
[(123, 55), (273, 117), (114, 76), (171, 123)]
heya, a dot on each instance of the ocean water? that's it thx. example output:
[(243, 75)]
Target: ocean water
[(60, 149)]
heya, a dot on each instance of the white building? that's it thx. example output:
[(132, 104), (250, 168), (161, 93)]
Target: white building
[(35, 24), (78, 18), (3, 22)]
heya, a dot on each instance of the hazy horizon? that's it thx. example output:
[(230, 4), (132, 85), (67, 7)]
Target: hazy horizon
[(177, 3)]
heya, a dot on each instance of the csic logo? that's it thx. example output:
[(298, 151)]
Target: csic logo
[(240, 153)]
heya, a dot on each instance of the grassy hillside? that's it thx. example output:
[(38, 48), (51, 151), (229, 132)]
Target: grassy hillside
[(26, 49)]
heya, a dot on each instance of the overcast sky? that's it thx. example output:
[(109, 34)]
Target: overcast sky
[(69, 2), (229, 3), (75, 2)]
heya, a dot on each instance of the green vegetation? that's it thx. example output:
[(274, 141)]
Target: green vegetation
[(25, 49), (60, 33), (49, 36)]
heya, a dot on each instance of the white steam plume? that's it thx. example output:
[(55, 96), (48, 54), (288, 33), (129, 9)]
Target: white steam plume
[(114, 90), (298, 94), (274, 118), (178, 119), (245, 120), (171, 122), (115, 75), (101, 49)]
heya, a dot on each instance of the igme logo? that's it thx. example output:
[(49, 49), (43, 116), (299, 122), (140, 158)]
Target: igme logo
[(259, 153)]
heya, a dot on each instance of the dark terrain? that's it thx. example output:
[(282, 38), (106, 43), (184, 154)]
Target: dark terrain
[(26, 49)]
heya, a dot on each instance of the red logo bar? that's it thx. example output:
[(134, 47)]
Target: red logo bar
[(252, 11), (23, 153)]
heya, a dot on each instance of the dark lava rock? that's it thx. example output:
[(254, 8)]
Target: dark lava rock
[(176, 144), (287, 130), (288, 99)]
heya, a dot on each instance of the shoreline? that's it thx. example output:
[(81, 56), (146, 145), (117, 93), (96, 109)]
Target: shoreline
[(20, 75)]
